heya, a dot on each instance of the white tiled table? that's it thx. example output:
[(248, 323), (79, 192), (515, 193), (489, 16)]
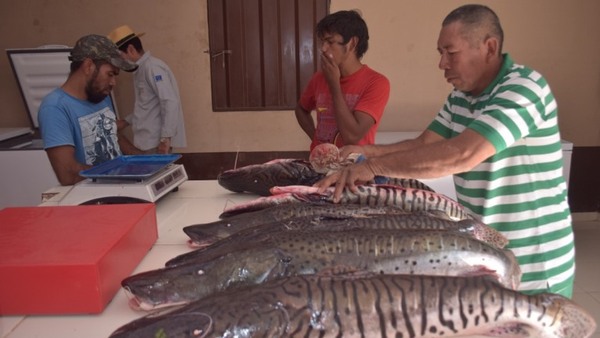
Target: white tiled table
[(195, 202)]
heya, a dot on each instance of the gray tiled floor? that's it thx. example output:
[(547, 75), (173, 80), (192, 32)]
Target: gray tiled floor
[(587, 273)]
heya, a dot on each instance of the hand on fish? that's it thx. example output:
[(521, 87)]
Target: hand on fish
[(326, 158), (350, 150), (350, 176)]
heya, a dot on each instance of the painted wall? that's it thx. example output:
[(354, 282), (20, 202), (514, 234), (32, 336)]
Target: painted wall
[(556, 37)]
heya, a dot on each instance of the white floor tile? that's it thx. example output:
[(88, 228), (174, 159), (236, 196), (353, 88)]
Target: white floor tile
[(587, 275)]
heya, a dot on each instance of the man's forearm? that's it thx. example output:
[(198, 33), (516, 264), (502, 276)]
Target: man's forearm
[(65, 166), (305, 121), (348, 125)]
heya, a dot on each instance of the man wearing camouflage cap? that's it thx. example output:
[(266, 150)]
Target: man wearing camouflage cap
[(77, 120)]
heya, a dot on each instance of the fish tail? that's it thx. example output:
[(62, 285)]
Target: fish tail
[(571, 320)]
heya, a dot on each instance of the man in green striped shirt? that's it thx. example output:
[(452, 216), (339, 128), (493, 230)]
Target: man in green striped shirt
[(498, 134)]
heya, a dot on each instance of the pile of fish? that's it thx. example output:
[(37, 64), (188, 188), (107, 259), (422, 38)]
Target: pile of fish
[(388, 260), (260, 258)]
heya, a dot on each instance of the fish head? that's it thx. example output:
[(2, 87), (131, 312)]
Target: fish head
[(238, 313), (165, 287), (204, 235), (196, 279), (243, 179), (489, 234), (201, 237), (259, 178), (161, 324), (485, 233)]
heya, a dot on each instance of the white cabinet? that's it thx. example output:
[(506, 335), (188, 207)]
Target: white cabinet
[(567, 150), (24, 175)]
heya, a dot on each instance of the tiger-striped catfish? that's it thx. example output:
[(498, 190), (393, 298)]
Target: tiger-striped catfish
[(202, 235), (370, 306), (407, 199), (289, 253)]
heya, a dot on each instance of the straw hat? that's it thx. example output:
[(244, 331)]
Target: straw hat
[(122, 34)]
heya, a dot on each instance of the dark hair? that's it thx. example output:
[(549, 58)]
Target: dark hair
[(136, 42), (477, 20), (347, 24), (75, 65)]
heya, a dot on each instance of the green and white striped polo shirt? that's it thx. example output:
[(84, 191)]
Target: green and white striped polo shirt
[(519, 191)]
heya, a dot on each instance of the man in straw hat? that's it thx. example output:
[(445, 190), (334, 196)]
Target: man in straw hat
[(77, 120), (157, 118)]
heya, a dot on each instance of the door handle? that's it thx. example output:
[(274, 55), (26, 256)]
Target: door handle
[(217, 54)]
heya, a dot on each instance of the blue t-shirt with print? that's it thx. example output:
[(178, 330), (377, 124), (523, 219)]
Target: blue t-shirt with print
[(89, 127)]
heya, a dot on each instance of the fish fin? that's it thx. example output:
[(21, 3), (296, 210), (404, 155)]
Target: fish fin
[(485, 232), (481, 270), (439, 214)]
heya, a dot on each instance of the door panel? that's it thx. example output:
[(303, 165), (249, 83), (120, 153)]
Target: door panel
[(263, 52)]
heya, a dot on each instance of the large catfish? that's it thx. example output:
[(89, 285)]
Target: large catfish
[(376, 195), (407, 222), (370, 306), (259, 178), (202, 235), (291, 253)]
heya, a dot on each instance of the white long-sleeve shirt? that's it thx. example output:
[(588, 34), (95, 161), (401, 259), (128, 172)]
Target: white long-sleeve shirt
[(157, 112)]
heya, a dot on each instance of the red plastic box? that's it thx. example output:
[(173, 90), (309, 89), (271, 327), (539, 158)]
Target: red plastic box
[(70, 259)]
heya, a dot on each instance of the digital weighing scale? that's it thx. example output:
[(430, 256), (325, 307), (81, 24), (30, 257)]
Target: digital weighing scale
[(125, 179)]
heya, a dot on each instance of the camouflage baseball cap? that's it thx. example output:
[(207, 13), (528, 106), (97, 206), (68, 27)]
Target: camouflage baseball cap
[(98, 47)]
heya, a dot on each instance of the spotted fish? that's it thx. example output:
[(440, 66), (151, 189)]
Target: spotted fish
[(370, 306), (409, 222), (290, 253), (204, 234), (327, 217)]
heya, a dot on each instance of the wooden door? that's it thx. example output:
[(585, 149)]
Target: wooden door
[(263, 52)]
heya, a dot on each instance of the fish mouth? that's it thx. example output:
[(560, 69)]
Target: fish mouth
[(199, 239), (138, 304), (199, 244)]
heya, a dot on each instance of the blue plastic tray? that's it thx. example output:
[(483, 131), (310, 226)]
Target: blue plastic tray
[(132, 167)]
